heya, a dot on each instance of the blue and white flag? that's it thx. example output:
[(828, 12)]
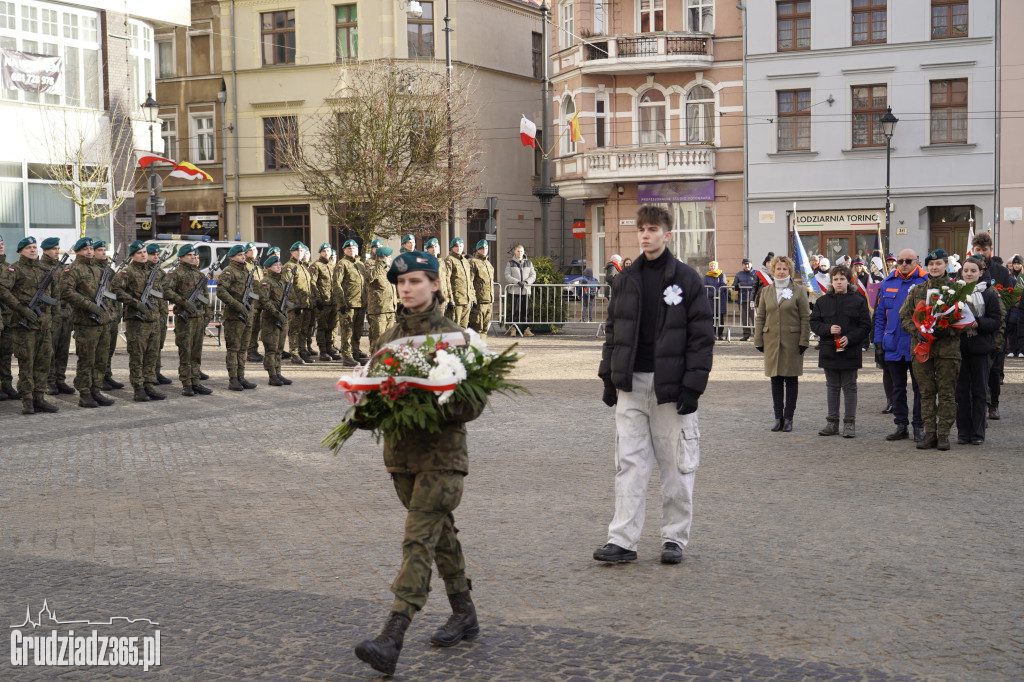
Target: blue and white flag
[(803, 266)]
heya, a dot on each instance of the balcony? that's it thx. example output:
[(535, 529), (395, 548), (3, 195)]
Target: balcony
[(592, 174), (649, 52)]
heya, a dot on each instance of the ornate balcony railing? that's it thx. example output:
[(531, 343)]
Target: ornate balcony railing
[(659, 50), (637, 164)]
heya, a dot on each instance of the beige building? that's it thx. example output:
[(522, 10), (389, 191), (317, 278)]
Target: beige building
[(658, 88), (1010, 192), (279, 63)]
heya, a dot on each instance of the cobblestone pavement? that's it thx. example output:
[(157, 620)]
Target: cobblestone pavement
[(263, 556)]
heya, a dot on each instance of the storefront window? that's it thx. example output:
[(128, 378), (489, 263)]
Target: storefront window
[(693, 233)]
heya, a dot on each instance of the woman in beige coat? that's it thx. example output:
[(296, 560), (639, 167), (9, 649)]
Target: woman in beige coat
[(782, 332)]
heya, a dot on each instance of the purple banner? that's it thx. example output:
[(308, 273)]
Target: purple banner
[(873, 289), (673, 192)]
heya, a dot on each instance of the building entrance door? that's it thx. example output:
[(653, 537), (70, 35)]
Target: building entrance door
[(948, 228)]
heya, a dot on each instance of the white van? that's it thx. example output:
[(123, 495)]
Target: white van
[(209, 251)]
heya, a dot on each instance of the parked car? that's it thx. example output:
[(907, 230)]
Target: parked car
[(570, 274), (209, 251)]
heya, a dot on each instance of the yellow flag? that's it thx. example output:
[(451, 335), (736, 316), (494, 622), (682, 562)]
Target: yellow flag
[(574, 128)]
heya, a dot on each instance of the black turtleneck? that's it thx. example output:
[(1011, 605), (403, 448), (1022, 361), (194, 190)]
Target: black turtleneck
[(652, 278)]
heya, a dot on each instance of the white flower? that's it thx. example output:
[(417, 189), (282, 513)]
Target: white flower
[(673, 295), (787, 293), (475, 341), (444, 396)]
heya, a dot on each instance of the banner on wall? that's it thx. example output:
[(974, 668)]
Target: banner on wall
[(675, 192), (30, 72)]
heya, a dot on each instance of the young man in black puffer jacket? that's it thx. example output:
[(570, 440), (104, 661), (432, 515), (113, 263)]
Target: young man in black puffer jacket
[(655, 364)]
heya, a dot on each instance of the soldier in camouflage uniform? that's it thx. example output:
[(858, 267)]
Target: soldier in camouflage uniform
[(408, 244), (483, 288), (30, 333), (275, 323), (6, 349), (79, 286), (114, 311), (461, 278), (252, 262), (433, 247), (153, 255), (326, 309), (302, 297), (937, 376), (428, 471), (60, 324), (359, 312), (309, 333), (351, 298), (231, 284), (190, 329), (141, 323), (380, 307)]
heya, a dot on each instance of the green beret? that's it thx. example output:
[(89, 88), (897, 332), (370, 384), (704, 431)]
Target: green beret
[(235, 250), (350, 242), (375, 243), (410, 261), (457, 240), (384, 251), (431, 242), (937, 254), (82, 243), (297, 246), (325, 245), (49, 243), (408, 238), (99, 244), (273, 250), (185, 250), (249, 246), (270, 261), (482, 244), (153, 248), (26, 242), (135, 246)]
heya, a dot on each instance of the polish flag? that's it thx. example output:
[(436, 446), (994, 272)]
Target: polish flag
[(186, 171), (144, 161), (528, 132), (765, 278)]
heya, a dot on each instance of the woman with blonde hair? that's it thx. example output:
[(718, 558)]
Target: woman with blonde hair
[(782, 332)]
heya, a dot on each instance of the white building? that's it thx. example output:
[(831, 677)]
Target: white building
[(820, 75)]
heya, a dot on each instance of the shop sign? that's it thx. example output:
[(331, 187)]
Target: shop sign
[(675, 192), (766, 217), (30, 72), (855, 220), (202, 223)]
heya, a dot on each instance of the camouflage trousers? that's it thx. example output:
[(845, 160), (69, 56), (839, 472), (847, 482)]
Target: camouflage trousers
[(298, 323), (480, 317), (162, 326), (60, 335), (103, 364), (273, 342), (326, 322), (460, 315), (91, 342), (378, 325), (34, 350), (236, 339), (430, 537), (188, 337), (358, 317), (142, 351), (6, 351), (309, 333), (350, 331), (936, 378), (257, 330)]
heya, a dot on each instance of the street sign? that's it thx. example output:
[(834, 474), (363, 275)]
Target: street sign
[(579, 229)]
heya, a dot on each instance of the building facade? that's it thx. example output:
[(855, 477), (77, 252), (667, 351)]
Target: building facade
[(1010, 236), (821, 79), (657, 88)]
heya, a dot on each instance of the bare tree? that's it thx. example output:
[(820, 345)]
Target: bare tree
[(392, 149)]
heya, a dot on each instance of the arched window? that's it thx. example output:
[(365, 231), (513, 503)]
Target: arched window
[(652, 117), (568, 111), (700, 116)]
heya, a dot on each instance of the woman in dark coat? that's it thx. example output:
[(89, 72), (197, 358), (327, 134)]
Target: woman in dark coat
[(842, 321), (976, 346)]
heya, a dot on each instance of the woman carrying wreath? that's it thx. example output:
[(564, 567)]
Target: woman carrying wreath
[(782, 332)]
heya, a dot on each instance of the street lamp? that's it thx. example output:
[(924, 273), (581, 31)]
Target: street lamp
[(151, 110), (888, 122)]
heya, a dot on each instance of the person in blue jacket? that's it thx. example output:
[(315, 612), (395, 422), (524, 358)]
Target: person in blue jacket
[(743, 284), (896, 342)]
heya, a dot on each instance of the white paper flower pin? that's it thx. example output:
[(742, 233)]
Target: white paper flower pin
[(673, 295), (787, 293)]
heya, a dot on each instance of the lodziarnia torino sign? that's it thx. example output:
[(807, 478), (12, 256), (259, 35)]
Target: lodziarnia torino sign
[(30, 72)]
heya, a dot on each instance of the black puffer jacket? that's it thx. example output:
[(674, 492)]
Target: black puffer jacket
[(850, 312), (983, 341), (684, 346)]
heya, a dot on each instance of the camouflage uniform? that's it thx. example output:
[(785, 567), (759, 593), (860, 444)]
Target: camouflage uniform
[(257, 321), (936, 376), (79, 284), (483, 289), (237, 320), (380, 307), (115, 309), (427, 470), (326, 310), (463, 295), (142, 335), (302, 297), (359, 312), (350, 299), (271, 291), (32, 346), (61, 327), (188, 334), (444, 275), (164, 309), (6, 344)]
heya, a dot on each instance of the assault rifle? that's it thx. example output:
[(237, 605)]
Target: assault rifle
[(102, 293), (248, 296), (283, 308), (40, 295), (148, 292), (197, 293)]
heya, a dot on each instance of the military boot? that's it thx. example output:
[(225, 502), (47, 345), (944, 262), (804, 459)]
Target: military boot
[(900, 433), (11, 392), (3, 396), (246, 383), (187, 390), (942, 442), (101, 400), (462, 624), (349, 362), (161, 379), (153, 393), (296, 359), (253, 356), (109, 384), (848, 428), (41, 405), (51, 389), (85, 399), (63, 387), (234, 384), (324, 357), (284, 380), (930, 440), (275, 380), (831, 427), (27, 406), (199, 389), (203, 376), (140, 396), (382, 651)]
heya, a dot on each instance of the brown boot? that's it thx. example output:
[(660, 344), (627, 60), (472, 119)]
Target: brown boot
[(382, 651), (462, 624), (41, 405), (943, 443), (85, 399), (234, 384), (930, 441), (993, 413)]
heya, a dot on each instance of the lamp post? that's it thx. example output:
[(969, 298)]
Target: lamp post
[(888, 122), (448, 94), (151, 110)]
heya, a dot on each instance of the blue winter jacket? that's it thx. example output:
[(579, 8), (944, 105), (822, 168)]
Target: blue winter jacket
[(888, 328)]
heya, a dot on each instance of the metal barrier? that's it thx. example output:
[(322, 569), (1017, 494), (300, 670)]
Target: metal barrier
[(731, 310), (556, 304)]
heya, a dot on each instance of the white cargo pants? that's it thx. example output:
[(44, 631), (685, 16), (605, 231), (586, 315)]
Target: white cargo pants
[(646, 432)]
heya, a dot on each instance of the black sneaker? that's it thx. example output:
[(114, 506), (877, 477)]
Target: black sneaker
[(614, 554), (671, 553)]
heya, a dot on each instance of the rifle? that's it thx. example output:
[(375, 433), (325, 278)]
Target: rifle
[(148, 292), (283, 308), (248, 296), (102, 294), (197, 293), (40, 295)]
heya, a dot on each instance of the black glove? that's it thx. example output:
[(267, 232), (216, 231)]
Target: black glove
[(95, 309), (802, 349), (343, 310), (320, 305), (687, 403), (879, 353), (759, 349), (29, 315), (190, 307), (611, 395)]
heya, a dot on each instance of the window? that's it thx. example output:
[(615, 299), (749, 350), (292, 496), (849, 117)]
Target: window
[(567, 24), (652, 15), (346, 32), (869, 21), (280, 135), (600, 122), (700, 16), (202, 139), (794, 120), (869, 103), (282, 226), (422, 145), (794, 25), (538, 56), (168, 131), (199, 54), (8, 17), (165, 58), (50, 23), (277, 35), (29, 19), (652, 117), (421, 33), (141, 55), (949, 111), (599, 17), (949, 19), (568, 111), (700, 116)]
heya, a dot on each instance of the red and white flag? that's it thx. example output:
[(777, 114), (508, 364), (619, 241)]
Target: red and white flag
[(765, 278), (144, 161), (186, 171), (528, 132)]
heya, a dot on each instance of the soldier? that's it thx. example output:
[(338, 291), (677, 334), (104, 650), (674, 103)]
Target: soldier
[(60, 324), (302, 297), (252, 261), (461, 278), (351, 297), (371, 252), (275, 323), (380, 307), (30, 332), (428, 472), (408, 244), (237, 318), (326, 310), (141, 324), (359, 312), (189, 331), (99, 258), (433, 247), (309, 333), (6, 349), (153, 256), (936, 376), (483, 289)]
